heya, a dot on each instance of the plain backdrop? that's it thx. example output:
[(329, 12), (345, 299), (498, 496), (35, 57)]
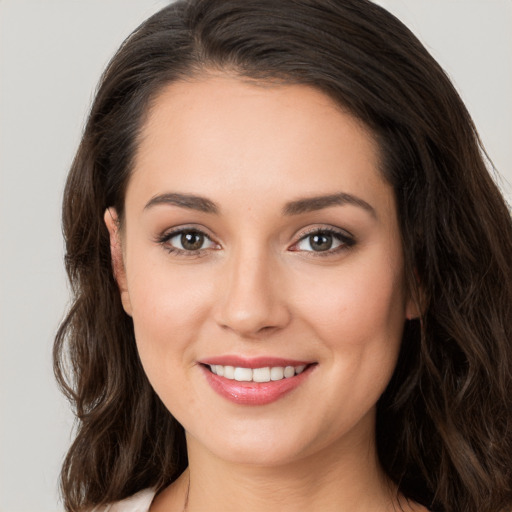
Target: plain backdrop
[(51, 55)]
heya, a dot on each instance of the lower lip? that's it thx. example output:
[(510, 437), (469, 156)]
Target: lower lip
[(254, 393)]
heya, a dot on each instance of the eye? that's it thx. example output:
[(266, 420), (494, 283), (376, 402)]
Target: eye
[(324, 241), (185, 241)]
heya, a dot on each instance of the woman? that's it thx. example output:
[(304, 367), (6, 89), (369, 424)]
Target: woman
[(291, 272)]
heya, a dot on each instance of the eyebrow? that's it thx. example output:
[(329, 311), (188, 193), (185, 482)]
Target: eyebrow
[(305, 205), (311, 204), (184, 201)]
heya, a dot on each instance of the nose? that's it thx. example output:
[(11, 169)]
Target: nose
[(252, 297)]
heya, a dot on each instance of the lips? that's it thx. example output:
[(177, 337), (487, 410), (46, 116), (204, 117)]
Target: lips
[(256, 381)]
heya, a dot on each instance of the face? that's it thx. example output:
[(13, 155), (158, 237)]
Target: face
[(260, 260)]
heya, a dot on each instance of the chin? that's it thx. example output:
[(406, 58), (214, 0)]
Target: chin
[(258, 444), (258, 453)]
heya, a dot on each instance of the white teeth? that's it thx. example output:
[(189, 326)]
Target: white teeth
[(229, 372), (261, 375), (243, 374), (277, 373), (289, 371), (265, 374)]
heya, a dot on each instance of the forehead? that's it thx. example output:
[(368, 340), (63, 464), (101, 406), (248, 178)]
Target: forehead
[(223, 134)]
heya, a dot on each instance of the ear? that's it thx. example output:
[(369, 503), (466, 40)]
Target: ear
[(412, 309), (116, 253)]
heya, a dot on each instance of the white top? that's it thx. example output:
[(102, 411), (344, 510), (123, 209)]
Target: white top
[(139, 502)]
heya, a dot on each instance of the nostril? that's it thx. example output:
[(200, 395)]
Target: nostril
[(267, 329)]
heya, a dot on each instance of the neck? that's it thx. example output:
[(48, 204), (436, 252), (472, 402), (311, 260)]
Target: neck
[(345, 477)]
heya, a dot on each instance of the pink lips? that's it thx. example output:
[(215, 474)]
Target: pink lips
[(253, 362), (253, 393)]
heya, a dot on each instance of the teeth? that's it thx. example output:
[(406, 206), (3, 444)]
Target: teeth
[(261, 375), (229, 372), (266, 374), (289, 371), (277, 373), (243, 374)]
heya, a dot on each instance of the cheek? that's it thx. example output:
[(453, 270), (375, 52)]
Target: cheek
[(168, 310), (355, 302), (357, 317), (358, 313), (169, 303)]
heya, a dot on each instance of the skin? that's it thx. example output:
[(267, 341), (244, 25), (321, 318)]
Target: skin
[(257, 288)]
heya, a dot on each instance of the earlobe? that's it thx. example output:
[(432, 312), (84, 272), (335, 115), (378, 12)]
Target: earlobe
[(412, 310), (116, 252)]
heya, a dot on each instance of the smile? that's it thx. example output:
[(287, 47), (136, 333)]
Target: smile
[(266, 374), (258, 381)]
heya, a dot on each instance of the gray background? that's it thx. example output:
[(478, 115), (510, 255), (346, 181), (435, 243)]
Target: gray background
[(51, 55)]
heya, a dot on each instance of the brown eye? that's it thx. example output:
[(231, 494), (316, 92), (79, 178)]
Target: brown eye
[(187, 241), (192, 240), (324, 241), (320, 241)]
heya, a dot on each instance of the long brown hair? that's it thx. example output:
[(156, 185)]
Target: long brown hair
[(444, 424)]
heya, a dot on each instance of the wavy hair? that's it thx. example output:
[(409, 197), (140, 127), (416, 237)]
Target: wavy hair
[(444, 423)]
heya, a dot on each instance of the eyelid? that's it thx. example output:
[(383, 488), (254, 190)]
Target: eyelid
[(347, 239), (164, 239)]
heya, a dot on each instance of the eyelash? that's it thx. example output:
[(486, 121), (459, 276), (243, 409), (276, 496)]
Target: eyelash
[(165, 238), (346, 241)]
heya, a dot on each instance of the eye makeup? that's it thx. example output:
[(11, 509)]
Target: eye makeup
[(189, 241)]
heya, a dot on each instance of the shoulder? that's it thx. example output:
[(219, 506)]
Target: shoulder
[(139, 502)]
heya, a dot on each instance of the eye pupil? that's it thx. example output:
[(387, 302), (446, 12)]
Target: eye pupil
[(320, 242), (192, 241)]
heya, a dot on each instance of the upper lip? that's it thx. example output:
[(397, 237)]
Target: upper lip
[(253, 362)]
